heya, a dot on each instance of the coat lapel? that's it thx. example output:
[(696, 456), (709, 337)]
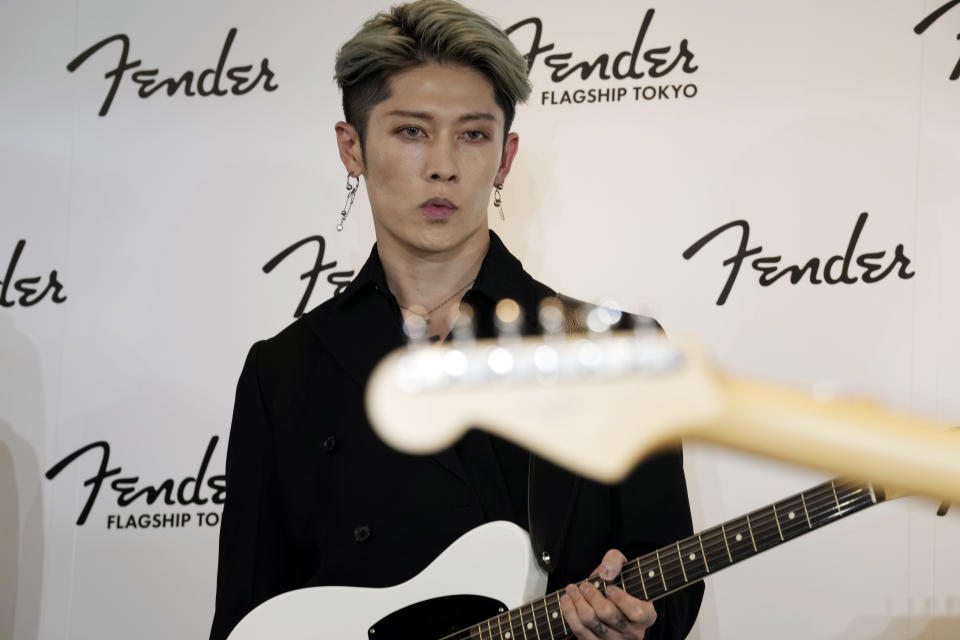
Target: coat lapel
[(358, 332)]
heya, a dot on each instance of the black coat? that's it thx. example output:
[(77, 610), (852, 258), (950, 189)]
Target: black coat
[(315, 498)]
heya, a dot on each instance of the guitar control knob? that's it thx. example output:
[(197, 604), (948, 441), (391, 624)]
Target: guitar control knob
[(545, 557)]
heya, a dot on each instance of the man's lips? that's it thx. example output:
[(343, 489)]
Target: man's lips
[(438, 208)]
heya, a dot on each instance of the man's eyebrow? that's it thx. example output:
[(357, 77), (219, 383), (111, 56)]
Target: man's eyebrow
[(477, 116), (423, 115)]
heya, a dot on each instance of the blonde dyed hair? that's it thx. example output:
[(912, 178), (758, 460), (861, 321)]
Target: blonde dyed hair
[(414, 34)]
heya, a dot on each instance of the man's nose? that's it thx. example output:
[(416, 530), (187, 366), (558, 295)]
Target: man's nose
[(442, 161)]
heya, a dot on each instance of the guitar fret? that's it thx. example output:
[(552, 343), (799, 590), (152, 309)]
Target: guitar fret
[(777, 518), (522, 626), (715, 550), (490, 629), (725, 543), (650, 568), (509, 626), (682, 569), (740, 542), (834, 487), (765, 528), (704, 553), (562, 620), (820, 499), (536, 627), (805, 512), (642, 585), (750, 528), (549, 616), (662, 578), (695, 563), (791, 525)]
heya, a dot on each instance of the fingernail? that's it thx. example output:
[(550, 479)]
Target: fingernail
[(609, 573), (611, 589), (571, 590), (584, 587)]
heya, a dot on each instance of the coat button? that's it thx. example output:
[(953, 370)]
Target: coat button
[(545, 557), (361, 532), (329, 444)]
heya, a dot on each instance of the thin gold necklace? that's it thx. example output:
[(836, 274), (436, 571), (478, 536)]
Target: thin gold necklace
[(426, 316)]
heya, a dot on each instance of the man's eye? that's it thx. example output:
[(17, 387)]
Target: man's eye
[(411, 132), (475, 135)]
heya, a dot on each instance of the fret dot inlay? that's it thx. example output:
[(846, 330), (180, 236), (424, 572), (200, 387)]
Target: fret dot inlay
[(554, 615), (739, 537), (652, 573), (507, 635), (693, 556), (597, 584), (529, 625), (791, 515)]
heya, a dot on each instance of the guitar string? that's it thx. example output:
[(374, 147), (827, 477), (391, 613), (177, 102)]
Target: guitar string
[(822, 511), (822, 506), (821, 503), (817, 507)]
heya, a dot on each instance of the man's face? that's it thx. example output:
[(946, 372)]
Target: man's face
[(433, 151)]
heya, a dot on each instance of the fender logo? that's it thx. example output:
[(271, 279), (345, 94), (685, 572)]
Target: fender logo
[(871, 265), (208, 81)]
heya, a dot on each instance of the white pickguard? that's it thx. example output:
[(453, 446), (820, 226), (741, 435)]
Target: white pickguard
[(494, 560)]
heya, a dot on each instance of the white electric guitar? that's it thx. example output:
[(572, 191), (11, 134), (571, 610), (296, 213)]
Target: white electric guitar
[(487, 586)]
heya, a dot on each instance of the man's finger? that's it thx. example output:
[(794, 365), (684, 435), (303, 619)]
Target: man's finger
[(607, 612), (569, 609), (611, 564), (636, 610)]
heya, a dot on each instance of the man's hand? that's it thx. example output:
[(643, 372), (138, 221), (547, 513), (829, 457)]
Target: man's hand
[(591, 615)]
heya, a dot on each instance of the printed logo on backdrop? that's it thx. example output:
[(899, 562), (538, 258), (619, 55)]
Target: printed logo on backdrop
[(177, 502), (663, 67), (210, 81), (26, 291), (849, 268), (924, 24), (337, 279)]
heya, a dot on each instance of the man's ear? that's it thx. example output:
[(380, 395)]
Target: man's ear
[(348, 143), (506, 159)]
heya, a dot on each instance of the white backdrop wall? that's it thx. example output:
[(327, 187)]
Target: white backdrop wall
[(149, 227)]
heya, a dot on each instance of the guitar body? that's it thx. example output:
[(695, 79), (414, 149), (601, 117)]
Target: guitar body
[(487, 568)]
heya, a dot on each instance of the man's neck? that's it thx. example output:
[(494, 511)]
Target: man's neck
[(422, 280)]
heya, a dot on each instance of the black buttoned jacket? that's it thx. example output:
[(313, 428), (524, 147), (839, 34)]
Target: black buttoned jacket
[(315, 498)]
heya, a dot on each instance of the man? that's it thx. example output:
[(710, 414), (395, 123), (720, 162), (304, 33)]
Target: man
[(429, 92)]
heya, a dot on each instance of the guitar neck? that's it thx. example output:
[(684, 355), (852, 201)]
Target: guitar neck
[(688, 561)]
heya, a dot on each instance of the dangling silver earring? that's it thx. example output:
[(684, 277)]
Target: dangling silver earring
[(497, 201), (351, 194)]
